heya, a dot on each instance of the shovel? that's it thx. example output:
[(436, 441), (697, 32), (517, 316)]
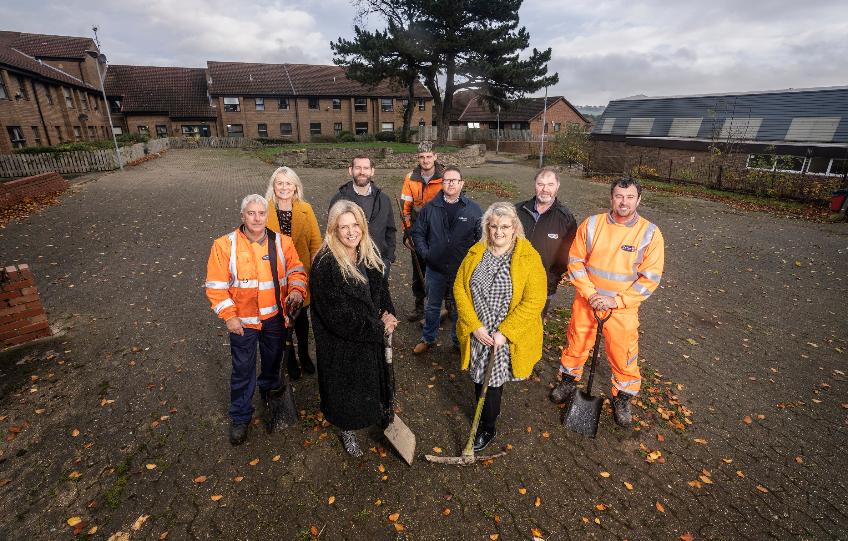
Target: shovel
[(584, 411), (398, 434), (468, 457), (281, 411)]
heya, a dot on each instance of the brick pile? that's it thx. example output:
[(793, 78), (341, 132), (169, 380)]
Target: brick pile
[(17, 190), (22, 316)]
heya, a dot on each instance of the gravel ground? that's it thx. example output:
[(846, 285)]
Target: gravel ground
[(120, 422)]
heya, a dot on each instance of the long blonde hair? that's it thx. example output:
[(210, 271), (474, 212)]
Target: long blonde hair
[(292, 176), (367, 252), (500, 210)]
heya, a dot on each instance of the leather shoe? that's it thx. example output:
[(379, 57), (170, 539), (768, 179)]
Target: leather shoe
[(238, 433), (564, 390), (420, 348), (483, 438)]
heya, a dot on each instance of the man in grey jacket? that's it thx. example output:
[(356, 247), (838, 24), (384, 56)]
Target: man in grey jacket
[(376, 205)]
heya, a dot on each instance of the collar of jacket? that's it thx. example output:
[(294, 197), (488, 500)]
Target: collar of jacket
[(439, 199), (521, 250), (530, 205), (347, 188), (437, 174), (298, 212)]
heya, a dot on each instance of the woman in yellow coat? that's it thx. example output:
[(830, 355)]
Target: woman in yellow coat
[(291, 215), (500, 290)]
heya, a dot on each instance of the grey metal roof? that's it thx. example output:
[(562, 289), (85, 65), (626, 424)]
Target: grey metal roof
[(813, 115)]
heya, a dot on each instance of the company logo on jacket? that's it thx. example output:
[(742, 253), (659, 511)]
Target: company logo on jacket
[(553, 235), (628, 248)]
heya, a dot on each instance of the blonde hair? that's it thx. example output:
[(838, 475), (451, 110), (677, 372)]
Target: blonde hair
[(367, 252), (292, 176), (501, 210)]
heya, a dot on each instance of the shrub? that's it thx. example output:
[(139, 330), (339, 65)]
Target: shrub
[(571, 145), (324, 139), (346, 137), (132, 138), (365, 138), (272, 141), (388, 136)]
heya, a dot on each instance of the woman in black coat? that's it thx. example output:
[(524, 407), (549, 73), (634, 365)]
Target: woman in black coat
[(351, 312)]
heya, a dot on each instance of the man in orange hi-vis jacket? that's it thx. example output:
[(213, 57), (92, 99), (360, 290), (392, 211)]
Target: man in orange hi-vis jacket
[(240, 286), (615, 263)]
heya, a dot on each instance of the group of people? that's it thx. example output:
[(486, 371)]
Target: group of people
[(496, 272)]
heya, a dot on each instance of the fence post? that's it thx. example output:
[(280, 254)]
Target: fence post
[(670, 163)]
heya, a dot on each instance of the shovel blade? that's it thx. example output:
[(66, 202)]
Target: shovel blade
[(583, 414), (401, 438), (283, 412)]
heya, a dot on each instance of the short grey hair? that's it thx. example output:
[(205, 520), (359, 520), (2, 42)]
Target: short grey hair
[(253, 198), (425, 146), (547, 170)]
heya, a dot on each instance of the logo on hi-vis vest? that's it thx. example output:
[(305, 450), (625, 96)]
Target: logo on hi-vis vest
[(553, 236), (266, 257), (628, 248)]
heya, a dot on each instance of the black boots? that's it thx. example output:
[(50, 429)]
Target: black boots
[(621, 410), (292, 367), (564, 389), (417, 313), (305, 360), (238, 433), (483, 438)]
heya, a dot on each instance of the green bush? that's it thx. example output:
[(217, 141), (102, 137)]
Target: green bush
[(68, 147), (571, 145), (270, 141), (346, 137), (324, 139), (388, 136), (365, 138), (132, 138)]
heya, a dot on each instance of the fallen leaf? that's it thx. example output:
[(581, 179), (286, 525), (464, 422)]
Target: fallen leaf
[(73, 521), (398, 527), (747, 420), (536, 532), (727, 460), (437, 450), (660, 507), (378, 502), (687, 537), (105, 402), (446, 511), (150, 466), (701, 441), (216, 497), (606, 474), (381, 468), (200, 479), (494, 536), (740, 473), (537, 502), (509, 445), (705, 479), (74, 475), (4, 482), (799, 459), (762, 489), (119, 536), (313, 530), (695, 484), (75, 433), (254, 462), (597, 520), (497, 519), (529, 429), (331, 500), (92, 530), (139, 522), (546, 434), (384, 478), (163, 535), (276, 458), (522, 491), (628, 486), (39, 411), (660, 438), (238, 479), (601, 507), (393, 517)]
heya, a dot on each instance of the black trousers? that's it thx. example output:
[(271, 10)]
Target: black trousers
[(301, 329), (417, 285), (491, 407)]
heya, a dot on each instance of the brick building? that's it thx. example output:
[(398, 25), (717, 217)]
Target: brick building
[(523, 114), (160, 101), (304, 102)]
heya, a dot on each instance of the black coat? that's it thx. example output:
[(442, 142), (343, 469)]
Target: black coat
[(443, 245), (353, 380), (551, 236), (381, 223)]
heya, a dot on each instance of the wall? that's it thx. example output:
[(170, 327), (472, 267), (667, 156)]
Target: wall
[(16, 190), (558, 112), (22, 316), (384, 158)]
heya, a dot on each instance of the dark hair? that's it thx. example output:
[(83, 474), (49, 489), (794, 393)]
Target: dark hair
[(547, 170), (451, 168), (626, 183), (363, 157)]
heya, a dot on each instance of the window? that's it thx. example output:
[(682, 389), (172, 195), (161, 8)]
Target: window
[(231, 105), (16, 135), (22, 88), (818, 166), (360, 105), (262, 129), (838, 167), (36, 136), (144, 130), (404, 102), (421, 123), (387, 126), (285, 129), (95, 103), (761, 161), (314, 103), (283, 104), (115, 105), (360, 128), (557, 126), (260, 104), (116, 130), (235, 130), (48, 93), (161, 131), (3, 94), (515, 126), (84, 101), (421, 104), (77, 133), (59, 136), (337, 104), (337, 129), (387, 105), (69, 98), (191, 131), (314, 128), (92, 132), (204, 131)]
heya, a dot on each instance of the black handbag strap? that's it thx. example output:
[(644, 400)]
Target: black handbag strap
[(272, 255)]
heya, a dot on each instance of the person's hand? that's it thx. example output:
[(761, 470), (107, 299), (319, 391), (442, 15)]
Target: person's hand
[(234, 326), (407, 241), (389, 322), (499, 339), (482, 336), (602, 302), (293, 302)]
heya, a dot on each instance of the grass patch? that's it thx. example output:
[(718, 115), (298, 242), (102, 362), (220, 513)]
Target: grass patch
[(267, 154), (113, 495), (500, 188)]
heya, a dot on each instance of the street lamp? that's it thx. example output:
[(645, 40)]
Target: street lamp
[(98, 58)]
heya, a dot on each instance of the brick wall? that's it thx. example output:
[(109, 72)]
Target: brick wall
[(17, 190), (22, 316), (557, 113)]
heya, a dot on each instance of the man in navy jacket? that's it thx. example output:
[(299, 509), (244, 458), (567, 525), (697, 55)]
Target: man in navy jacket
[(444, 231)]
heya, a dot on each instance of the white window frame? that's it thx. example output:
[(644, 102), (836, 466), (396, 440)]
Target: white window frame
[(387, 105), (16, 136), (360, 105), (259, 103), (387, 126), (229, 102)]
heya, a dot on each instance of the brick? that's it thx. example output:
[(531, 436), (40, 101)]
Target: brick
[(29, 291), (6, 295), (15, 325), (34, 327), (23, 300), (5, 335), (11, 310), (38, 319), (26, 338)]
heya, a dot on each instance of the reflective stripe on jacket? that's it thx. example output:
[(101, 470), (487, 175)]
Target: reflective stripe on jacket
[(239, 281), (624, 261)]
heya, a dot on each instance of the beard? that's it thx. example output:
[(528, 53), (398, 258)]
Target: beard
[(362, 180)]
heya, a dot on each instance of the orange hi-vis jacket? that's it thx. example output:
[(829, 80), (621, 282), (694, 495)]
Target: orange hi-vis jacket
[(624, 261), (239, 281), (415, 194)]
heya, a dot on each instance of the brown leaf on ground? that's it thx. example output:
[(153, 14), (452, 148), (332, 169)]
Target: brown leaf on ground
[(73, 521), (276, 458), (216, 497), (393, 517), (238, 479), (75, 433), (522, 491), (494, 536), (799, 459), (695, 484), (702, 441), (537, 502), (747, 420), (74, 475), (200, 479), (150, 466), (628, 486), (601, 507), (331, 500), (660, 507), (254, 462), (762, 489), (740, 473), (536, 532), (687, 537), (446, 511), (727, 460), (399, 527), (313, 530), (139, 522), (605, 474), (163, 535)]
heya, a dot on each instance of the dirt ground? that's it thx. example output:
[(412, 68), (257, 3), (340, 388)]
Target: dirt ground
[(120, 423)]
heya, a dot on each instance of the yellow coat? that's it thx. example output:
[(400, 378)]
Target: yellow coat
[(523, 324), (306, 236)]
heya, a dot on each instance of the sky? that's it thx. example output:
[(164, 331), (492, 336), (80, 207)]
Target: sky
[(602, 49)]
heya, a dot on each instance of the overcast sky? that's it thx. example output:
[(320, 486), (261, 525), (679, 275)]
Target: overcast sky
[(602, 49)]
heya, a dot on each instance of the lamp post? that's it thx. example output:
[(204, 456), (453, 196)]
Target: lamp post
[(97, 59), (544, 128), (498, 136)]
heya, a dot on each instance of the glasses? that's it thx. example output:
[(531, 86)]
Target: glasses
[(451, 180)]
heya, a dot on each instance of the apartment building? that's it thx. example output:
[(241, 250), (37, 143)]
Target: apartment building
[(534, 114), (49, 91)]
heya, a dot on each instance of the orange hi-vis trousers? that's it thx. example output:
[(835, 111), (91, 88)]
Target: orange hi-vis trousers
[(621, 340)]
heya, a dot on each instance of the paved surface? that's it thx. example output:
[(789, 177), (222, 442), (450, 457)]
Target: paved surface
[(744, 347)]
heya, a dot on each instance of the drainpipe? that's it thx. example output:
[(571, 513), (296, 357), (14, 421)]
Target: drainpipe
[(40, 113)]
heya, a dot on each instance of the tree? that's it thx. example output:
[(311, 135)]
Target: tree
[(463, 44)]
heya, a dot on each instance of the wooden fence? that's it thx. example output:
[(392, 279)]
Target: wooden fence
[(78, 162)]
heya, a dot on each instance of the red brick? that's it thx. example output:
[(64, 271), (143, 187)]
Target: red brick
[(12, 310), (30, 312), (38, 319), (15, 325), (34, 327), (5, 335), (6, 295), (26, 338), (29, 291), (23, 300)]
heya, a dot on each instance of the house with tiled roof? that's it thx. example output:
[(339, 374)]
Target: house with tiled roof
[(521, 114), (161, 101), (305, 102), (49, 91)]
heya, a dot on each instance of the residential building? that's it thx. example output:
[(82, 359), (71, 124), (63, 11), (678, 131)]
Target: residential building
[(49, 91), (524, 114)]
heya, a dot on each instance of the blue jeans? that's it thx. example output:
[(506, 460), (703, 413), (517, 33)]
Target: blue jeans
[(438, 286), (243, 379)]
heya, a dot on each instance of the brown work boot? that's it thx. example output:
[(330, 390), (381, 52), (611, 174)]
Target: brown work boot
[(564, 389), (417, 313), (420, 348), (621, 410)]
